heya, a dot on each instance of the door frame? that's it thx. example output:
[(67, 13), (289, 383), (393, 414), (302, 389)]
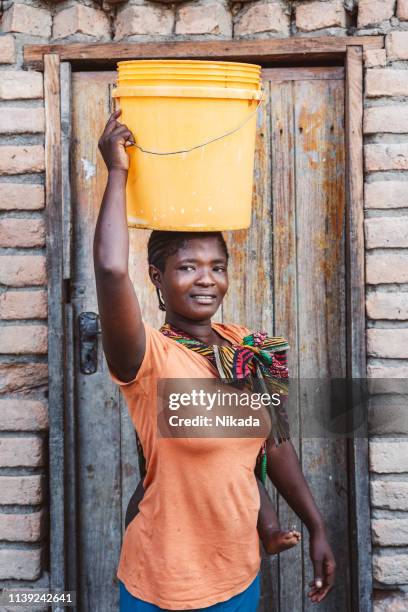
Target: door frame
[(56, 61)]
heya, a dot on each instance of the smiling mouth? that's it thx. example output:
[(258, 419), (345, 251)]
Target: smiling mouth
[(204, 299)]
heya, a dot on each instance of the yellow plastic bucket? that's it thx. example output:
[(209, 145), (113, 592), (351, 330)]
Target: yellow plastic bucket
[(194, 124)]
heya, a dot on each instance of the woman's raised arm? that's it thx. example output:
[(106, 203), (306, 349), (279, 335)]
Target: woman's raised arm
[(123, 335)]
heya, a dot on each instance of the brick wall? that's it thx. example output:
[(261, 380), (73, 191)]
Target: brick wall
[(23, 307)]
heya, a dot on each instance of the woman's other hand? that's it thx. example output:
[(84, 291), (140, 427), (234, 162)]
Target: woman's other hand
[(113, 142), (324, 566)]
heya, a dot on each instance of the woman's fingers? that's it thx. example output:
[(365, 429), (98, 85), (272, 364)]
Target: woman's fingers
[(121, 132), (112, 123), (318, 591), (115, 115), (318, 573)]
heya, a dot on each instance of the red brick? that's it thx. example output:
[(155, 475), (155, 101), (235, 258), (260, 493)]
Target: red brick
[(386, 268), (390, 532), (388, 343), (318, 15), (22, 527), (259, 18), (22, 270), (386, 232), (386, 157), (386, 194), (79, 19), (387, 414), (21, 339), (23, 415), (21, 196), (22, 490), (27, 20), (22, 377), (388, 456), (22, 232), (390, 601), (21, 159), (389, 494), (7, 49), (386, 305), (21, 120), (20, 564), (149, 20), (21, 84), (396, 44), (372, 12), (206, 19), (390, 570), (386, 119), (386, 82), (23, 305), (21, 452), (402, 10), (374, 58), (386, 370)]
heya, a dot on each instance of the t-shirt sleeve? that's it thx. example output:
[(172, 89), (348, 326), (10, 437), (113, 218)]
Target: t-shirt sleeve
[(152, 363)]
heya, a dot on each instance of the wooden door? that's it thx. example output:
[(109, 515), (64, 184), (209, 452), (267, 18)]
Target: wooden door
[(287, 276)]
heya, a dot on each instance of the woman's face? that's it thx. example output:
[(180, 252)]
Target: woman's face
[(195, 279)]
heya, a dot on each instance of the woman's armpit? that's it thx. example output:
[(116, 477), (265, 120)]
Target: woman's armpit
[(152, 363)]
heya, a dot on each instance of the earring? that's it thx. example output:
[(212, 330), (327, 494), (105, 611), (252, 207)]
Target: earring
[(162, 305)]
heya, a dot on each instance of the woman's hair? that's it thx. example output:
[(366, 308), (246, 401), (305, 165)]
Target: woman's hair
[(163, 244)]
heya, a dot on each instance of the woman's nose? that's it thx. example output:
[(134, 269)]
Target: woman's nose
[(205, 278)]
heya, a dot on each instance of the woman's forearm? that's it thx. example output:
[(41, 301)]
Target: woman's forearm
[(111, 238), (286, 474)]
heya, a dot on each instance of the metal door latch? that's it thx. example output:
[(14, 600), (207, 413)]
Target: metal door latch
[(89, 329)]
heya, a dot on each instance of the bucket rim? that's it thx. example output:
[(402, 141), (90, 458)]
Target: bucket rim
[(147, 91), (184, 62), (185, 69), (190, 66), (176, 79)]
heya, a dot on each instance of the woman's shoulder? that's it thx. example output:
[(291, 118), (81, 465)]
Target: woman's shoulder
[(236, 332)]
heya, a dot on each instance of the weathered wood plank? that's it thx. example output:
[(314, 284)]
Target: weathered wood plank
[(355, 210), (310, 49), (70, 452), (56, 325), (65, 77), (304, 74), (69, 403), (356, 348), (285, 302), (249, 298), (320, 214), (259, 293)]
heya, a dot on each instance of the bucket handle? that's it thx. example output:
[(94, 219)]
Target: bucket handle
[(207, 142)]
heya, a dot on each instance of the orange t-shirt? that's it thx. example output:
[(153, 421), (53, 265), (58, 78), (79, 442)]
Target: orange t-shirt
[(194, 542)]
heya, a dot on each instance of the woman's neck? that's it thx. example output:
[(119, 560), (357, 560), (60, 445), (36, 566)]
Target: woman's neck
[(202, 330)]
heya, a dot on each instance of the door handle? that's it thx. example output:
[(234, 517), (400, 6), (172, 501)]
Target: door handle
[(89, 329)]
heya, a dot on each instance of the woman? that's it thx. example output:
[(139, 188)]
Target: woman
[(194, 543)]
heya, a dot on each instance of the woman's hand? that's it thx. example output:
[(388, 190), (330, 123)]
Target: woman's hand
[(113, 142), (324, 566)]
